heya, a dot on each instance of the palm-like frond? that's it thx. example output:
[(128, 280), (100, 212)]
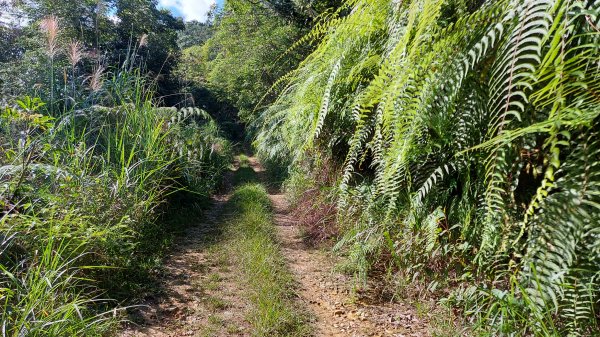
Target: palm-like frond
[(485, 120)]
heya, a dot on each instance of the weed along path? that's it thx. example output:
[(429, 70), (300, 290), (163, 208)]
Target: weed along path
[(245, 271), (327, 294)]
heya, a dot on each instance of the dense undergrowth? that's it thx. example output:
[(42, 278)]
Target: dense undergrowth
[(453, 144), (87, 177), (274, 311), (465, 136)]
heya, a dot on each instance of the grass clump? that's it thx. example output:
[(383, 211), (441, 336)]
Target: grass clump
[(42, 293), (271, 285)]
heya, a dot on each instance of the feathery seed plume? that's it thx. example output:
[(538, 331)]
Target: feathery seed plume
[(75, 52), (95, 80), (51, 28), (143, 40)]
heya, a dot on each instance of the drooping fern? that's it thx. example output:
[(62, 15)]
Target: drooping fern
[(478, 117)]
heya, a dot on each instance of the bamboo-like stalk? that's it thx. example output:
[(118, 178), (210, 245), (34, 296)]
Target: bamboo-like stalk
[(51, 28)]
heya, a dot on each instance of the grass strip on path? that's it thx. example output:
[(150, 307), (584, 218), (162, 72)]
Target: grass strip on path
[(255, 251)]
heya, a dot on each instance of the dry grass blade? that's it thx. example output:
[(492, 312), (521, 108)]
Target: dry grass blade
[(51, 28), (75, 52)]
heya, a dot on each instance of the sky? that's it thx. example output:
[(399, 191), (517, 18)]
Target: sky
[(189, 9)]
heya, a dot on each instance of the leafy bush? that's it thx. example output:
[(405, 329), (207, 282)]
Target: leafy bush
[(468, 135)]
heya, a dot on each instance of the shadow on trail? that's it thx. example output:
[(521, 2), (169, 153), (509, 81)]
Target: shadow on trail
[(198, 232), (245, 175), (171, 285), (247, 170), (197, 228), (251, 171)]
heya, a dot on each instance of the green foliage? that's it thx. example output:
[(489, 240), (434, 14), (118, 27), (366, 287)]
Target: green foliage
[(42, 292), (9, 50), (204, 154), (86, 188), (89, 162), (467, 131), (195, 33), (106, 32), (238, 63)]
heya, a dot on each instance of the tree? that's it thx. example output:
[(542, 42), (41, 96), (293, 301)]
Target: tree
[(110, 29), (241, 61), (9, 49), (300, 12), (195, 34), (85, 20), (142, 18)]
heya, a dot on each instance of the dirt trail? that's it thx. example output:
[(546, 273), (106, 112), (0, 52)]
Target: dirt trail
[(202, 294), (327, 294)]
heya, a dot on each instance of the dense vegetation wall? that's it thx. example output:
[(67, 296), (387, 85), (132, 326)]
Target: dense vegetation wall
[(465, 137)]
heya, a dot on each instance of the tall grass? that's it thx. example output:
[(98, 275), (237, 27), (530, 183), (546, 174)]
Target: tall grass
[(43, 292), (82, 188)]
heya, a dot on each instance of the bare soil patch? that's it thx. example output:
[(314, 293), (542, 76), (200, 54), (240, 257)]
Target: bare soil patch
[(327, 294)]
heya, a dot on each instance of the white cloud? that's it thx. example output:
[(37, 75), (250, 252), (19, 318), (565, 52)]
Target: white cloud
[(189, 9)]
